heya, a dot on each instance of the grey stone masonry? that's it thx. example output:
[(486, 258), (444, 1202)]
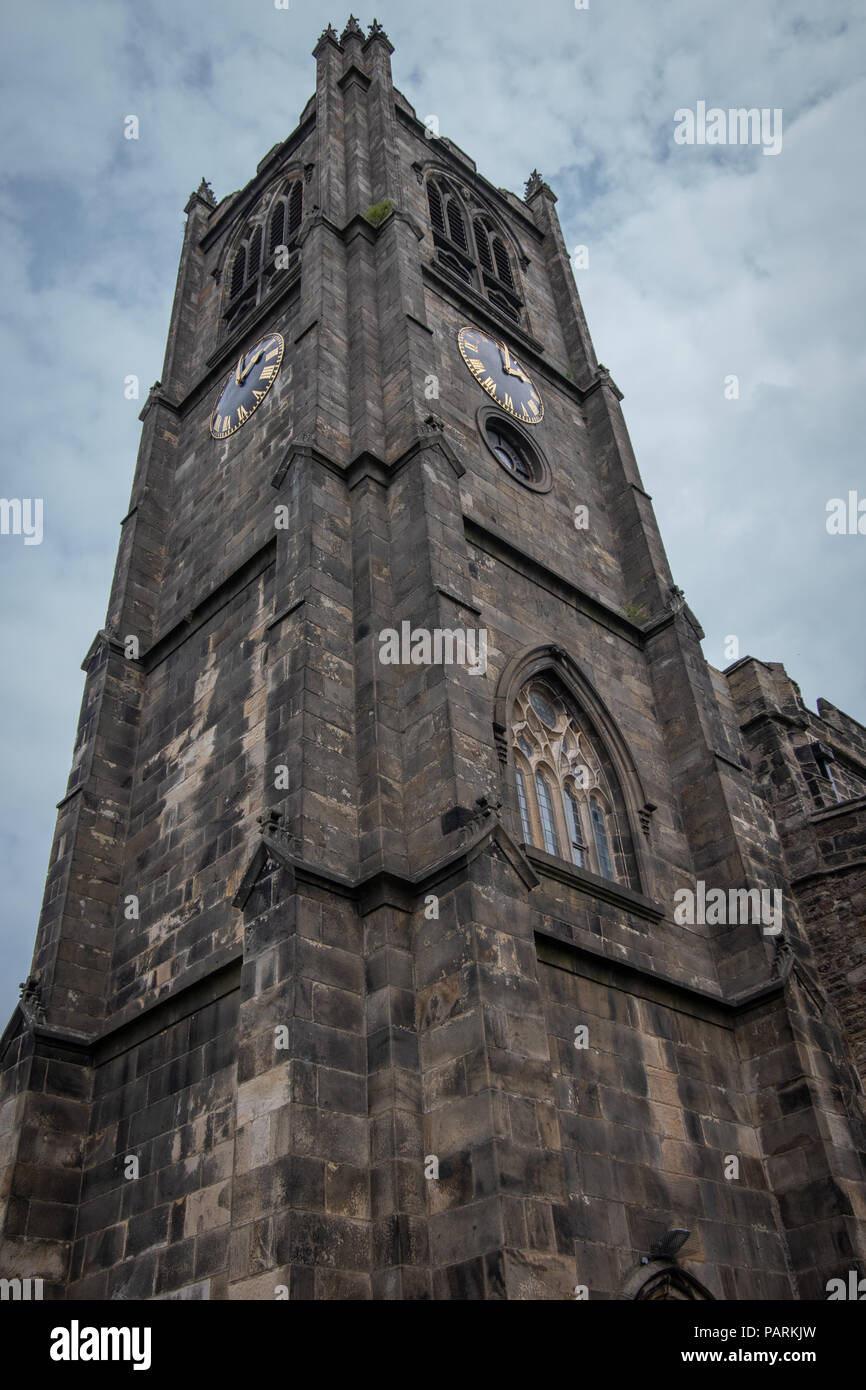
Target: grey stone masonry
[(317, 1010), (811, 769)]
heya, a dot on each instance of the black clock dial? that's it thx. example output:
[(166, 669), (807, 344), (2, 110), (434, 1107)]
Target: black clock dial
[(501, 374), (246, 386)]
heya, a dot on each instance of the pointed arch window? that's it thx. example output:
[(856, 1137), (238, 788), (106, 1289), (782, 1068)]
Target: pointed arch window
[(479, 257), (267, 248), (568, 795)]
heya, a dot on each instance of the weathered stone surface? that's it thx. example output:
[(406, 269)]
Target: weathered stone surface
[(304, 1005)]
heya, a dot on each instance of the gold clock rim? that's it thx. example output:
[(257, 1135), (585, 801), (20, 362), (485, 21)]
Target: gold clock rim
[(521, 419), (228, 376)]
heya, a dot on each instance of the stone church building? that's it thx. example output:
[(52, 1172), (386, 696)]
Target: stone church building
[(425, 918)]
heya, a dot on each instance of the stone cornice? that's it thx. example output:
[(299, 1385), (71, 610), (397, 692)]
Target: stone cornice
[(387, 884), (201, 985), (834, 871), (775, 716), (843, 808), (210, 604), (367, 465), (565, 955), (494, 543)]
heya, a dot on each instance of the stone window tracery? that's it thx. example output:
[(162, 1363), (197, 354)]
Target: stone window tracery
[(564, 796), (471, 246), (265, 249)]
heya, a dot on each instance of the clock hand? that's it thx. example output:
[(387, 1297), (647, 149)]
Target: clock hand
[(242, 372), (508, 366)]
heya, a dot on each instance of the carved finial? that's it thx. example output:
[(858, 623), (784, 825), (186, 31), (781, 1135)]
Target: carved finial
[(536, 184), (203, 194), (352, 30), (329, 32), (676, 600), (378, 32)]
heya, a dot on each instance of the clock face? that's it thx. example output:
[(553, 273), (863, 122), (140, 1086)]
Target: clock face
[(502, 376), (246, 386)]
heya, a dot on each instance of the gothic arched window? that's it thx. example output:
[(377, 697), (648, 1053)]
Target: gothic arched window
[(479, 257), (267, 247), (566, 788)]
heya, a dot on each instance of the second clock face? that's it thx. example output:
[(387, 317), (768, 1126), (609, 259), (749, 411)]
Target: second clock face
[(502, 376), (247, 384)]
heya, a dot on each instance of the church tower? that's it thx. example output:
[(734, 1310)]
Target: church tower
[(414, 926)]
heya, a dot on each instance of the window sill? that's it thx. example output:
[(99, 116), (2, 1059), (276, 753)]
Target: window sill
[(549, 866), (839, 808)]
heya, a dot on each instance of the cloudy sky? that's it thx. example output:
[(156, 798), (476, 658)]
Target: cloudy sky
[(704, 262)]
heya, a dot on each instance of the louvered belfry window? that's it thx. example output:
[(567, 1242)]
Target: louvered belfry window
[(471, 247), (269, 241)]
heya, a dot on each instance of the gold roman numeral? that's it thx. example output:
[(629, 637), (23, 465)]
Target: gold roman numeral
[(488, 382), (243, 414), (533, 407), (476, 364), (260, 395), (268, 374), (274, 352), (507, 401)]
